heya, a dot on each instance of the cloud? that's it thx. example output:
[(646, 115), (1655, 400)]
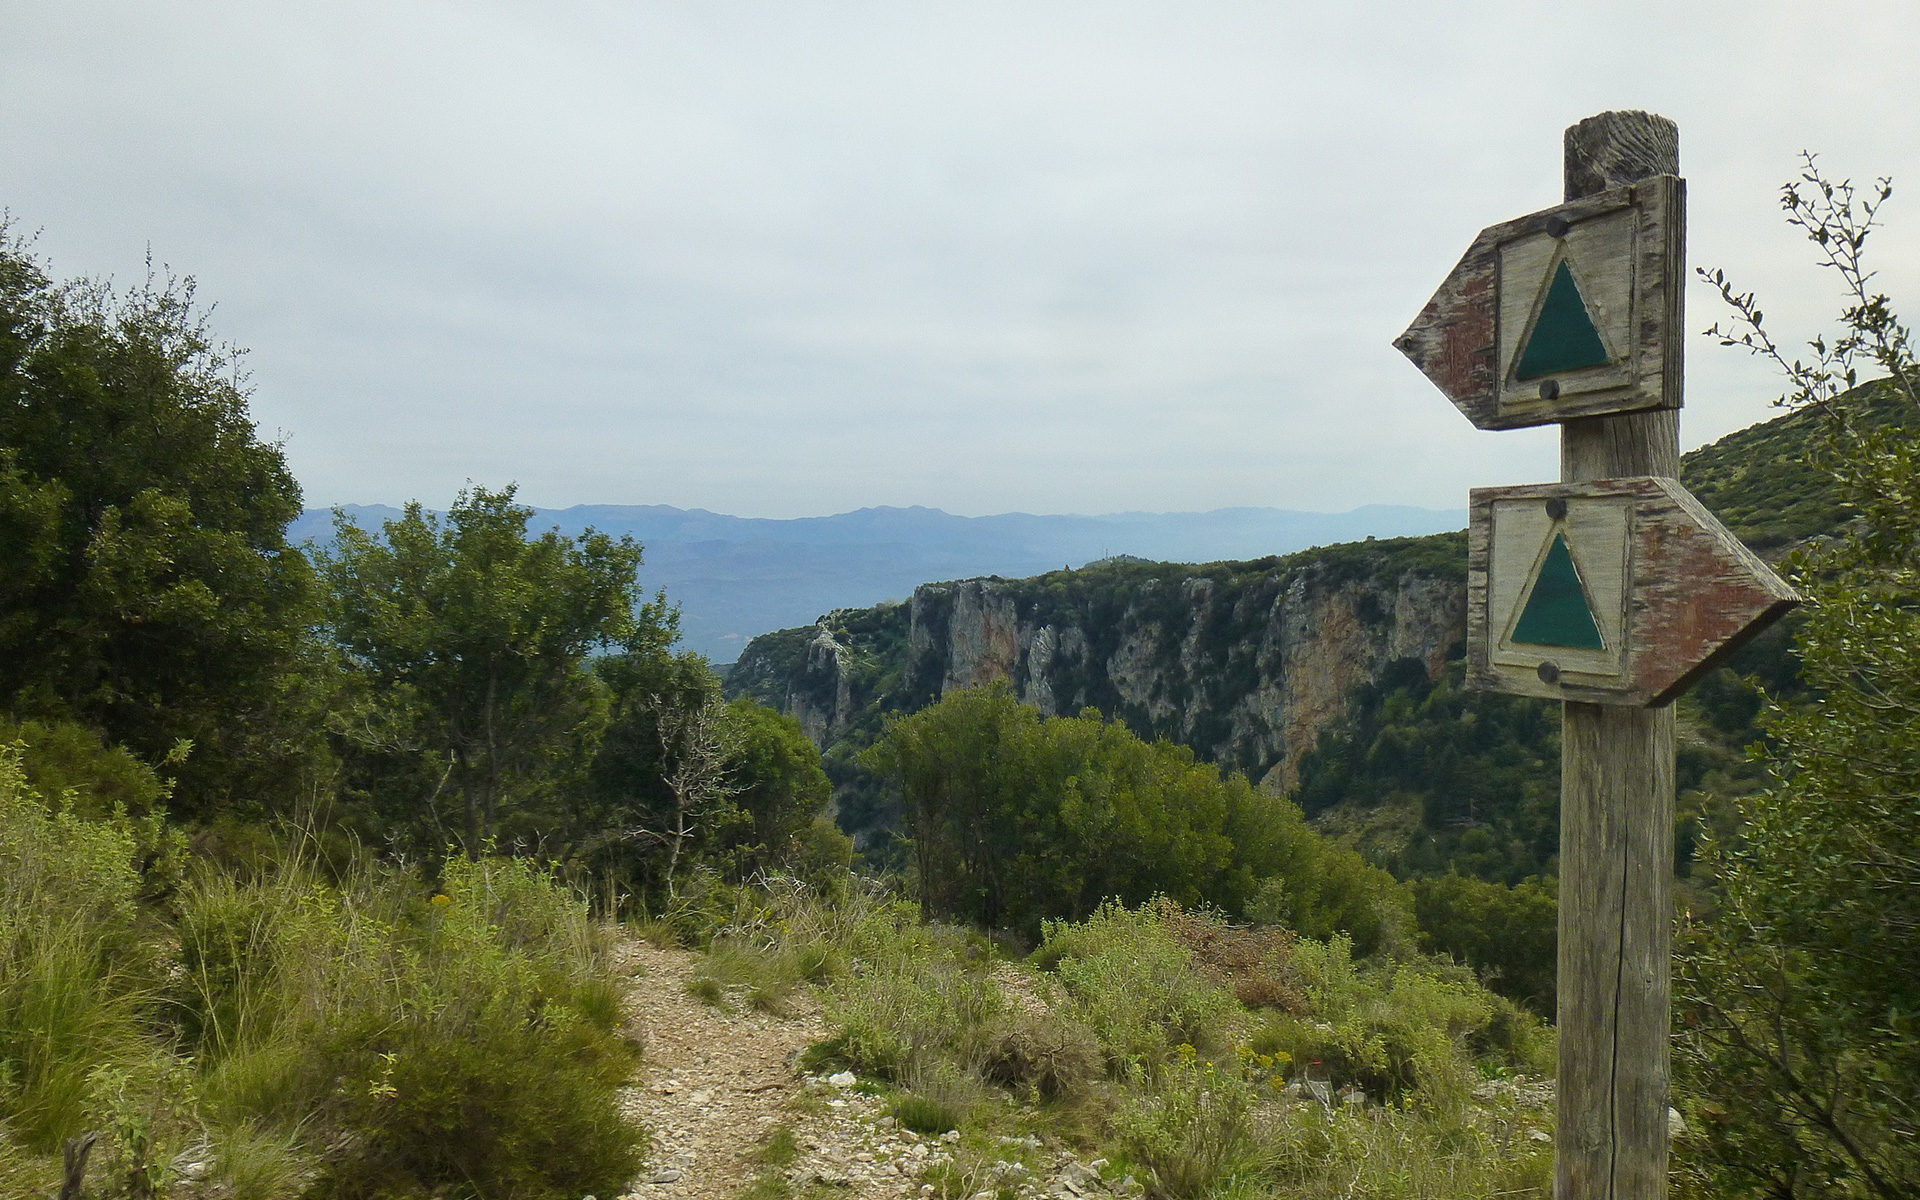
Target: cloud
[(781, 260)]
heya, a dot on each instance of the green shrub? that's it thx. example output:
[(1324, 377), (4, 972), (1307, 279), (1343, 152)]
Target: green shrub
[(820, 853), (1195, 1134), (1397, 1154), (1508, 934), (74, 972), (1400, 1031), (464, 1040), (1131, 982), (920, 998)]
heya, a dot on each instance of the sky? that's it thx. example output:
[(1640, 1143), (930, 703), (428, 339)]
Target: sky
[(796, 258)]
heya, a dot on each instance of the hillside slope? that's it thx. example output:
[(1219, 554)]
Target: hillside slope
[(1243, 661), (735, 577), (1334, 657)]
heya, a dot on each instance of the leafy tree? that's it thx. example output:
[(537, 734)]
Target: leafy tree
[(682, 777), (1481, 770), (1510, 934), (782, 787), (1015, 819), (146, 585), (631, 816), (476, 641), (1798, 996)]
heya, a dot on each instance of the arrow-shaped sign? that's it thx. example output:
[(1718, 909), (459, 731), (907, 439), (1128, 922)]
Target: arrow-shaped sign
[(1572, 311), (1612, 591)]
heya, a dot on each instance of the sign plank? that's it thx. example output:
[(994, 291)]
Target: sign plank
[(1611, 591), (1572, 311)]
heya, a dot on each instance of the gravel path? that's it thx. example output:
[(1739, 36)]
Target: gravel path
[(714, 1084)]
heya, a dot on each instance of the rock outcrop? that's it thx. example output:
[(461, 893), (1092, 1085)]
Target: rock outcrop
[(1244, 662)]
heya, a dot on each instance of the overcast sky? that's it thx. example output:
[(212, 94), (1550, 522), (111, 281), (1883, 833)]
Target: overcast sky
[(792, 258)]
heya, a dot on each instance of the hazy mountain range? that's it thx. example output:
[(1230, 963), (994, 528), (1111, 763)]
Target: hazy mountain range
[(735, 577)]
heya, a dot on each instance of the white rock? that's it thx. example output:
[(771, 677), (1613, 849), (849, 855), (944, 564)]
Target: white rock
[(842, 1079), (1676, 1124), (1539, 1135)]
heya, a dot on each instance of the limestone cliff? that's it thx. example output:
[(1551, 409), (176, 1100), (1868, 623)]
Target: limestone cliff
[(1245, 662)]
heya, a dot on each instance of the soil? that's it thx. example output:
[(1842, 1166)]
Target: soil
[(716, 1082)]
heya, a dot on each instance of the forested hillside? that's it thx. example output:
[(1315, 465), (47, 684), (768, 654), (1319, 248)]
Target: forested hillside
[(294, 852), (734, 578), (320, 875), (1332, 675)]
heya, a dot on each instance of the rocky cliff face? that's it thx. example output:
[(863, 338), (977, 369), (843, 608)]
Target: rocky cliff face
[(1244, 662)]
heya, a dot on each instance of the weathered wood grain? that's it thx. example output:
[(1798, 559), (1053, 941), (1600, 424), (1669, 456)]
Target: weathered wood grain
[(1616, 906), (1616, 803), (1622, 146), (1688, 592), (1629, 242)]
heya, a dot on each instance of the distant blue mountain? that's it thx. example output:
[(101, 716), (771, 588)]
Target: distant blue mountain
[(735, 577)]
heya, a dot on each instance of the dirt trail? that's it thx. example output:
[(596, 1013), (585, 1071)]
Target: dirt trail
[(714, 1084)]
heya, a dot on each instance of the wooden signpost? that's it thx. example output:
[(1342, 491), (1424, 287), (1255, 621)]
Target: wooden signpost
[(1562, 313), (1612, 590), (1616, 591)]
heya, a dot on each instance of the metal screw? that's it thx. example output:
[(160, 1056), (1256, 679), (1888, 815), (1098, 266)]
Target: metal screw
[(1549, 672), (1550, 389), (1557, 508), (1556, 227)]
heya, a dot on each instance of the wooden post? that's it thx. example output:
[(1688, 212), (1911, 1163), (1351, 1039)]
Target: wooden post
[(1616, 805), (75, 1175)]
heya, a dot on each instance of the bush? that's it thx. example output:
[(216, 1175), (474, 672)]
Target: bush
[(1509, 934), (1394, 1154), (920, 998), (466, 1040), (74, 972), (1045, 1057), (1133, 983), (1015, 820), (1194, 1135), (1798, 1048), (1404, 1032)]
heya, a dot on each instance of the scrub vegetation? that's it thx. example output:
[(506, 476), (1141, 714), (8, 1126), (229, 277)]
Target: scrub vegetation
[(313, 863)]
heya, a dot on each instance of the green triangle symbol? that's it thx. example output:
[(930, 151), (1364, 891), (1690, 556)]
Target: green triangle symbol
[(1563, 337), (1557, 612)]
